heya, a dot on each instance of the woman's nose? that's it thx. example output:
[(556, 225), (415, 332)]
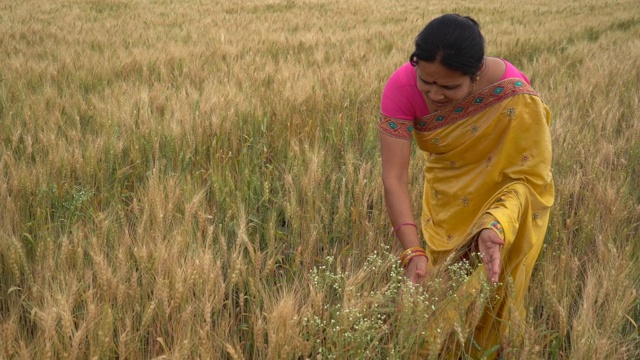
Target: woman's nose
[(435, 95)]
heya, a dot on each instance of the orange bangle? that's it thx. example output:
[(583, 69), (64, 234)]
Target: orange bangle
[(410, 253), (407, 260)]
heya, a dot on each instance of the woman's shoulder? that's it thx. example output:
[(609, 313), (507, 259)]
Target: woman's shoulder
[(401, 98), (498, 69), (403, 76), (511, 72)]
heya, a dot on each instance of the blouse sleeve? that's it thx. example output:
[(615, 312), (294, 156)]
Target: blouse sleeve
[(396, 112), (488, 221), (512, 72)]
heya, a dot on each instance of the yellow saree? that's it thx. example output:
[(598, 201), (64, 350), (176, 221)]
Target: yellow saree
[(488, 159)]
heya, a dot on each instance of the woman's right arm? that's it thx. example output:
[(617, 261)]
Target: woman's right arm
[(396, 154)]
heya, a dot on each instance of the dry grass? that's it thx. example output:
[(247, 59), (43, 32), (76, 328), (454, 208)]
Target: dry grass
[(176, 175)]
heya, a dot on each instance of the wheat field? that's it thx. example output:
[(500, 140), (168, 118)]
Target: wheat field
[(201, 179)]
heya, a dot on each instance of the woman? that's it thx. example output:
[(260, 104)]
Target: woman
[(488, 184)]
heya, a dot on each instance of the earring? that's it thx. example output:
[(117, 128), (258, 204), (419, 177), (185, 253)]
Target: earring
[(473, 83)]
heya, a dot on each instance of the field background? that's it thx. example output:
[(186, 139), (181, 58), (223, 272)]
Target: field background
[(201, 179)]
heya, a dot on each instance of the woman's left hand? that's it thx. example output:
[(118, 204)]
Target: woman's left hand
[(490, 245)]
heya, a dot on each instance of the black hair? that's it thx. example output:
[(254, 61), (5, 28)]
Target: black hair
[(454, 41)]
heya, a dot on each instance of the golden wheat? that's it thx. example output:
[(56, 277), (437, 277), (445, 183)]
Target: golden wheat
[(202, 180)]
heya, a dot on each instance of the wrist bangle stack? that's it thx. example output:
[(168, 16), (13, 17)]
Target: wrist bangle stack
[(407, 255)]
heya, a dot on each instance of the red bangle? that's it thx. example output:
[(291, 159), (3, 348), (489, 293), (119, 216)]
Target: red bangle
[(403, 224), (410, 253), (407, 260)]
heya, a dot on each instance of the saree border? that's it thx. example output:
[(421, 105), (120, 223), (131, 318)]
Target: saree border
[(397, 128), (474, 104)]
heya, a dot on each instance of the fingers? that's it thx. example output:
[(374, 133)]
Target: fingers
[(490, 246), (495, 270), (413, 278), (415, 275), (417, 269), (492, 264)]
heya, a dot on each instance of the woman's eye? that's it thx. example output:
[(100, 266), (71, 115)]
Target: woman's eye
[(426, 83)]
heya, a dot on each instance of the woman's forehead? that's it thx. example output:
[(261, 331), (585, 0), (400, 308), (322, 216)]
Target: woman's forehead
[(435, 73)]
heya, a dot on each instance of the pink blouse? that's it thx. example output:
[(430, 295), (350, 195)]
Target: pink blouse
[(402, 100)]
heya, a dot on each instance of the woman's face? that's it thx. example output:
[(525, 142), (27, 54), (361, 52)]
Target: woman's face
[(442, 87)]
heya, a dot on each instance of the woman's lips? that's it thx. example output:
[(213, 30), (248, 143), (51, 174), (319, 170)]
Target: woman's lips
[(438, 103)]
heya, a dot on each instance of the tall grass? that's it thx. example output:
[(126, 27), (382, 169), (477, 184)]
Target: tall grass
[(202, 180)]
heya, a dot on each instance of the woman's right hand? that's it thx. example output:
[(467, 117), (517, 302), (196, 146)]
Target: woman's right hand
[(417, 269)]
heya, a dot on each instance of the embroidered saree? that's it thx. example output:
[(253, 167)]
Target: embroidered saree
[(487, 159)]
